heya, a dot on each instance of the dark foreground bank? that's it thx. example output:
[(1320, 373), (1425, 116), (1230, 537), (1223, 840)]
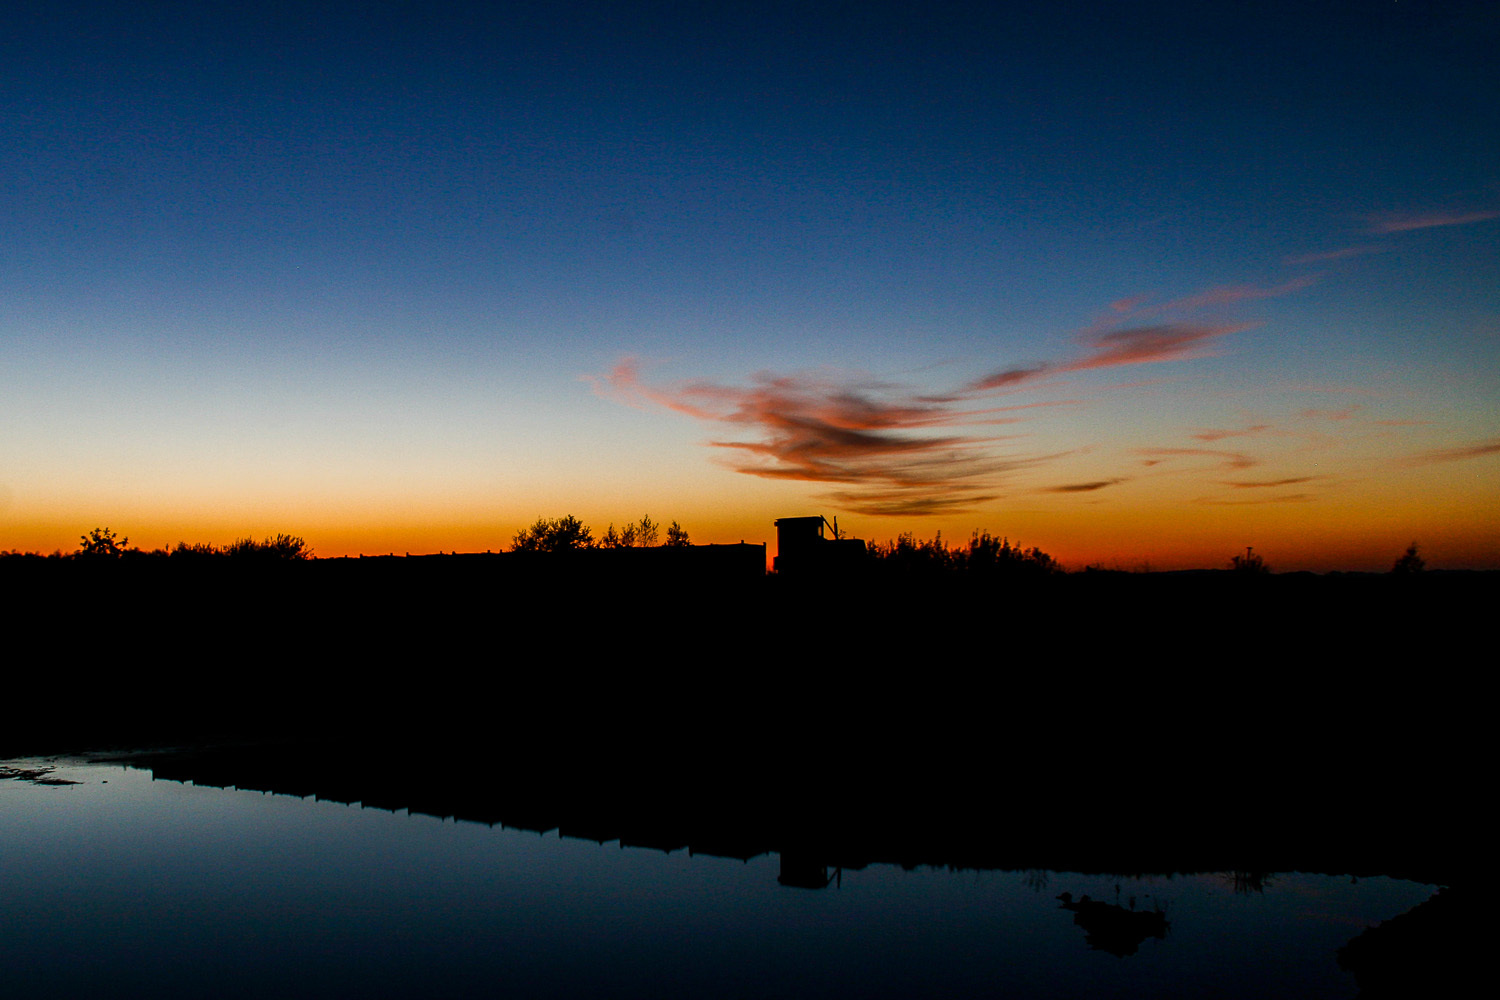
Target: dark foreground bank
[(1214, 720)]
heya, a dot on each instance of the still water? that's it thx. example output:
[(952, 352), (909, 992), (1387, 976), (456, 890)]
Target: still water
[(124, 886)]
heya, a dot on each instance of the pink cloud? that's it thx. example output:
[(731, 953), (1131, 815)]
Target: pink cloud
[(1181, 310), (1338, 390), (1478, 449), (1009, 378), (1107, 346), (1137, 346), (1217, 434), (1152, 344), (1343, 414), (1397, 222), (1329, 256), (1230, 294)]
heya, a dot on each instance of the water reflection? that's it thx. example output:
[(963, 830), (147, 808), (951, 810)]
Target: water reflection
[(144, 887), (745, 808), (1113, 928)]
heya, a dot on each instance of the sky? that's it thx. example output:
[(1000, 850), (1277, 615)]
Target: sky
[(1140, 284)]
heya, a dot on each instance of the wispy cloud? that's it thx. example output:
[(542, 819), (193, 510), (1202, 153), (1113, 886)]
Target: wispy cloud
[(1329, 256), (1136, 346), (1229, 459), (1398, 222), (1173, 336), (1478, 449), (1129, 305), (1225, 295), (1218, 434), (1153, 344), (1338, 390), (892, 451), (1097, 484), (1260, 484), (870, 438), (1284, 498), (905, 502), (1139, 308), (1343, 414)]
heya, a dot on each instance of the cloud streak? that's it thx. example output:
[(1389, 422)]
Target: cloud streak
[(872, 440), (888, 451), (1098, 484), (1329, 256), (1405, 222), (1478, 449), (1142, 345), (1218, 433), (1269, 483), (1230, 459)]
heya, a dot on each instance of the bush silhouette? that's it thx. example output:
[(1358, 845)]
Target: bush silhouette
[(984, 556), (988, 554), (197, 550), (287, 548)]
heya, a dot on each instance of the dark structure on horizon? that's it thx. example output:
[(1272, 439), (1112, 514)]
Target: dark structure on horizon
[(803, 549)]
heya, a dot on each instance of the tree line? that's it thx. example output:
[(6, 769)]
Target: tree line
[(102, 544), (561, 534), (983, 554)]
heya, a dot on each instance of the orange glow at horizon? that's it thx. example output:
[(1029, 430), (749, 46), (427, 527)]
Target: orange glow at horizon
[(1325, 536)]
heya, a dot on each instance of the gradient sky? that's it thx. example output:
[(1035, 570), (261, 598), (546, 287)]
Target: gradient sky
[(1140, 284)]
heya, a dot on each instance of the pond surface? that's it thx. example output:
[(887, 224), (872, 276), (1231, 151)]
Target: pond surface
[(123, 886)]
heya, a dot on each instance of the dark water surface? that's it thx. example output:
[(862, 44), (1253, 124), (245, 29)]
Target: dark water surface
[(123, 886)]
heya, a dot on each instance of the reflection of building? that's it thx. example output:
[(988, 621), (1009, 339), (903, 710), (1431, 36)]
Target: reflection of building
[(802, 548)]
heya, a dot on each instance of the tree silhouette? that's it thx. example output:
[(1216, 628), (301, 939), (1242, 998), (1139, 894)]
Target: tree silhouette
[(102, 543), (643, 533), (646, 531), (677, 536), (1409, 562), (1249, 564), (558, 534)]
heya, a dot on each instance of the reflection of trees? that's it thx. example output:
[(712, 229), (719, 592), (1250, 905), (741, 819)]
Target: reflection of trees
[(1250, 883), (1036, 879)]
